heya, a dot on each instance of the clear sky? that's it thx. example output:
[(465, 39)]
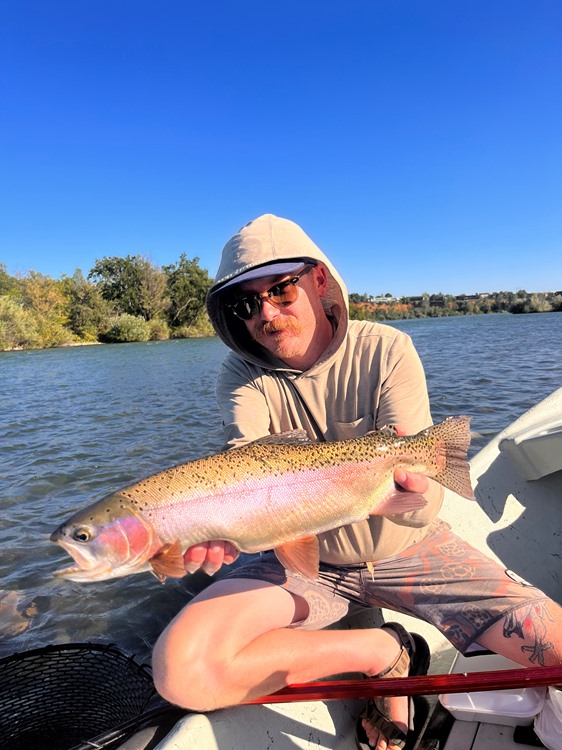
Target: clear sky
[(418, 142)]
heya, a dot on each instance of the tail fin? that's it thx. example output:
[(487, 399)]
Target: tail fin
[(454, 432)]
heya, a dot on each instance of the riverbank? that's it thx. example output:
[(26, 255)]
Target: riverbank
[(72, 344), (206, 330)]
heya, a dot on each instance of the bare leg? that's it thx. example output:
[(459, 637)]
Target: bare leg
[(232, 644)]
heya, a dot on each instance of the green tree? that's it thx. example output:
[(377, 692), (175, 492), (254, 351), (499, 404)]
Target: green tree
[(8, 284), (357, 311), (18, 329), (45, 296), (132, 284), (88, 311), (188, 285), (46, 301), (531, 304)]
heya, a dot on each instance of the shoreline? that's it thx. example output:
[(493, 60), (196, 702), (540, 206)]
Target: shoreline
[(387, 321)]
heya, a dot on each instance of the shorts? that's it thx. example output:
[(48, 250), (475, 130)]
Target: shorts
[(442, 580)]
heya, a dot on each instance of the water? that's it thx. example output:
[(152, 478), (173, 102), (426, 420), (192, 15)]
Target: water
[(491, 367), (78, 423)]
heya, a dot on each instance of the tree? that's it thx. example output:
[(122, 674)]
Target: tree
[(88, 311), (557, 303), (133, 284), (45, 296), (17, 326), (188, 285), (45, 299), (8, 284)]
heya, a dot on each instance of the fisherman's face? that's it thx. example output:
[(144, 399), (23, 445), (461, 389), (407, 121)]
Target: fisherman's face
[(297, 333)]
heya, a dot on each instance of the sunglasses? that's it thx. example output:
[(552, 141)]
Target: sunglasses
[(282, 294)]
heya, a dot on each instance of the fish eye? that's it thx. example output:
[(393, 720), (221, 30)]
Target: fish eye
[(82, 534)]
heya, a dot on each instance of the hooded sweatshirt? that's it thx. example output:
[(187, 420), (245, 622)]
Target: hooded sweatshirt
[(369, 376)]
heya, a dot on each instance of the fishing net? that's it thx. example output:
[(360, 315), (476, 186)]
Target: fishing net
[(72, 697)]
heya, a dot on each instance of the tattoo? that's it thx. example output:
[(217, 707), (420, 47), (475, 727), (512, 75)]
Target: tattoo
[(531, 618)]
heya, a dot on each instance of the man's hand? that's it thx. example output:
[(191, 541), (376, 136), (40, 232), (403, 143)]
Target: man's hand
[(209, 556), (410, 481)]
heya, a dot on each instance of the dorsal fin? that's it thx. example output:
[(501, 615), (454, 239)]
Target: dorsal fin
[(291, 437), (387, 430)]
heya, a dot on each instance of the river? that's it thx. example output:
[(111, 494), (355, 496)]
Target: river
[(79, 423)]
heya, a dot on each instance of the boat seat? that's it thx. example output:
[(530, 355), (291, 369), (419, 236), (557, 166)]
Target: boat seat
[(536, 451)]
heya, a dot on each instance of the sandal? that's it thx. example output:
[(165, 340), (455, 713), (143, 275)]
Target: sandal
[(414, 654)]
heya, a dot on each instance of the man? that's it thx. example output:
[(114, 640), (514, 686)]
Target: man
[(297, 362)]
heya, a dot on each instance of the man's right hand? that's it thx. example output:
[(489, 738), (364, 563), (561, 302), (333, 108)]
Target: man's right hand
[(209, 556)]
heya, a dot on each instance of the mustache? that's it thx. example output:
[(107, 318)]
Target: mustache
[(272, 326)]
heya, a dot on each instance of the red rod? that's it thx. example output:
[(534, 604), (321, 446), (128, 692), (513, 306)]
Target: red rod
[(424, 685)]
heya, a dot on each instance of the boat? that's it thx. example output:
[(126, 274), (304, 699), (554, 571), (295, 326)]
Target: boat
[(517, 480)]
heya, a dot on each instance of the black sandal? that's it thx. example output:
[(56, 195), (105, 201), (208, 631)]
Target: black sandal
[(414, 654)]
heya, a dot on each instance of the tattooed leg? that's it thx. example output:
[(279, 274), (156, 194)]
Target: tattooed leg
[(530, 619), (530, 635)]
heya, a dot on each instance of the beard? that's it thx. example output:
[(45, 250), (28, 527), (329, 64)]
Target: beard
[(280, 337)]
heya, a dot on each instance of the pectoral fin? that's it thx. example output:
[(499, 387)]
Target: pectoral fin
[(300, 556), (399, 501), (168, 562)]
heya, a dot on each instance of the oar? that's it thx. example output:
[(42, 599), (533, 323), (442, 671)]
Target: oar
[(424, 685)]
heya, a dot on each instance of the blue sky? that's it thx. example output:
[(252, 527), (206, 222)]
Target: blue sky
[(418, 142)]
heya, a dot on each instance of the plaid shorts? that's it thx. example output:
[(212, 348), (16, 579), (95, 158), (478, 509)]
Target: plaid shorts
[(441, 579)]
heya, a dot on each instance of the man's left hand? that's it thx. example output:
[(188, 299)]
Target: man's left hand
[(411, 481)]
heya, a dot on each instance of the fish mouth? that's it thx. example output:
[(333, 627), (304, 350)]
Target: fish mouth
[(92, 573), (87, 567)]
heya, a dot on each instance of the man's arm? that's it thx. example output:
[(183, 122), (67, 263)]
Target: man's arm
[(243, 407)]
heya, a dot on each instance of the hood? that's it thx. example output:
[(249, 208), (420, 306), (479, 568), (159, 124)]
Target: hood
[(270, 239)]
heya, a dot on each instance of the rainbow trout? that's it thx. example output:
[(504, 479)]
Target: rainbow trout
[(277, 493)]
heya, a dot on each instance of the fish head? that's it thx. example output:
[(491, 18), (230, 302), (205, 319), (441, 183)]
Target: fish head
[(106, 540)]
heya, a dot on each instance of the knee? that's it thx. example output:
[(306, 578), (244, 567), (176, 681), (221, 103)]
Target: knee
[(182, 673)]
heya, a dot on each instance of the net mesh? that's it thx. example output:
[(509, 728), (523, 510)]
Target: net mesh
[(59, 697)]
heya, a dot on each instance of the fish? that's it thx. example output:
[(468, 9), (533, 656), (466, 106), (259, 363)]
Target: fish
[(279, 492)]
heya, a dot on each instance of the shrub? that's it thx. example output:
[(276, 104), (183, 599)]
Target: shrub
[(200, 329), (125, 328), (159, 330), (18, 328)]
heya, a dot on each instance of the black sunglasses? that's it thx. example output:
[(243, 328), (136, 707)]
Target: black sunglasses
[(282, 294)]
